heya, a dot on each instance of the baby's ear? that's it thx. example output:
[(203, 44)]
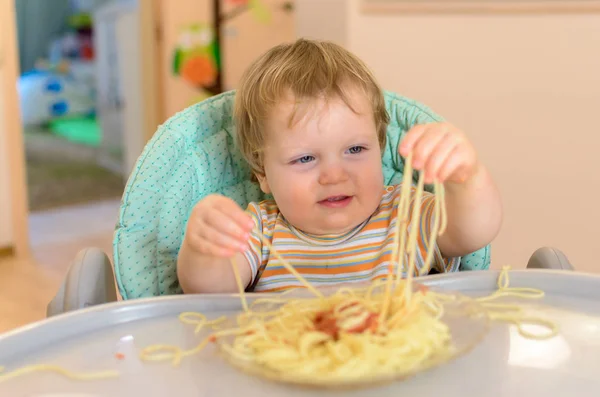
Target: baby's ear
[(264, 184)]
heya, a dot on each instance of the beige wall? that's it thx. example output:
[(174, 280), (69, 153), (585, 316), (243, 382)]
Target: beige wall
[(526, 89), (322, 19)]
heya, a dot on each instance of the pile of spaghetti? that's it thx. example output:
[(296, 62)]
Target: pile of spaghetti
[(346, 338), (341, 339)]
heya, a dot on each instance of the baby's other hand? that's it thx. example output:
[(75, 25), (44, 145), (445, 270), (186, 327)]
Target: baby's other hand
[(441, 151), (218, 227)]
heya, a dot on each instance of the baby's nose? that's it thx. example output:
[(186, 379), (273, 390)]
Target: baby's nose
[(332, 174)]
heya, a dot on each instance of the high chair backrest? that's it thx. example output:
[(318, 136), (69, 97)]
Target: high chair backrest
[(193, 155)]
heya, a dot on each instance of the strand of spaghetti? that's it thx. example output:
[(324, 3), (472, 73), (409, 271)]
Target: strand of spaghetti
[(512, 313), (199, 320), (441, 191), (505, 290), (238, 281), (161, 352), (519, 320), (54, 368), (199, 347), (412, 237), (175, 354), (290, 268), (402, 218), (502, 306), (434, 232), (529, 293), (216, 322), (503, 278), (549, 325), (399, 238)]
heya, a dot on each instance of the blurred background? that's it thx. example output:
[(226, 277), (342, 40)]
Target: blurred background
[(85, 83)]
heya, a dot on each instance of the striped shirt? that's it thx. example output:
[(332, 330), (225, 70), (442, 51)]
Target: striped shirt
[(363, 254)]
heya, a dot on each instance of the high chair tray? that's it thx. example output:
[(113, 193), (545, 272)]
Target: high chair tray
[(504, 364)]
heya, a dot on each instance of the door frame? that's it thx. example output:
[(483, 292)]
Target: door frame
[(9, 74), (149, 12)]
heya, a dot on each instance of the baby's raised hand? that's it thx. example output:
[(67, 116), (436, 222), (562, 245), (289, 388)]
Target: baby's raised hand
[(441, 151), (218, 227)]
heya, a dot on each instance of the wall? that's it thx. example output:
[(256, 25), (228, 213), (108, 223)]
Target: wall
[(325, 19), (119, 64), (246, 38), (526, 89), (38, 23), (128, 28)]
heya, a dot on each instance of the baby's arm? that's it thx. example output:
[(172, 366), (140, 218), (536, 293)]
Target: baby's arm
[(474, 214), (218, 230), (473, 201)]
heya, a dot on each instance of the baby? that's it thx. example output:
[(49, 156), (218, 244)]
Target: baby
[(311, 122)]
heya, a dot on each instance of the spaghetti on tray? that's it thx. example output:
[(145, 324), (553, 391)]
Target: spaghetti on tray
[(389, 329)]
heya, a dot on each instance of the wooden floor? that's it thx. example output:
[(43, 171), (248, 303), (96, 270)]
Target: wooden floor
[(26, 286)]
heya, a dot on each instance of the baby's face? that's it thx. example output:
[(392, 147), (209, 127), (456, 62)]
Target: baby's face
[(324, 170)]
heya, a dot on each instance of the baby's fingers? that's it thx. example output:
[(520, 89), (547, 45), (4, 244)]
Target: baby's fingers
[(443, 151), (427, 145), (412, 137), (223, 230), (240, 223), (454, 168)]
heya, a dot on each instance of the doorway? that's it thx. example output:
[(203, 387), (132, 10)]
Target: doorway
[(82, 109), (72, 135)]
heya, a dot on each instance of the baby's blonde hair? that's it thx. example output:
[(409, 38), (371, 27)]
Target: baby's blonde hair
[(308, 70)]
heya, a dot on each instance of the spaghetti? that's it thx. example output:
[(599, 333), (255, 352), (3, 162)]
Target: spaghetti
[(513, 313), (383, 331), (339, 339), (59, 370), (390, 329)]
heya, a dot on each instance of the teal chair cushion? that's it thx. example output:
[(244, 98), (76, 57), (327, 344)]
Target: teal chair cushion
[(193, 155)]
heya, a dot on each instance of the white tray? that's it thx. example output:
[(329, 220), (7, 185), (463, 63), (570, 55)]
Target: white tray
[(504, 364)]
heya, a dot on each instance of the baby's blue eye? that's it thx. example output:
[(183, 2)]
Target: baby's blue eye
[(355, 149), (305, 159)]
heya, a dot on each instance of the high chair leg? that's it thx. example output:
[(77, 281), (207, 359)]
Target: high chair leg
[(549, 258), (90, 281)]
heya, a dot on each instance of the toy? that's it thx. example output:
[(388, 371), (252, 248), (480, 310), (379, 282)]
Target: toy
[(197, 57)]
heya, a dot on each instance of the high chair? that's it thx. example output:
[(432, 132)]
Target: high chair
[(192, 155)]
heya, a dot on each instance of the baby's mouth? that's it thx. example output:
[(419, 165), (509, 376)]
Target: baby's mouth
[(336, 201)]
